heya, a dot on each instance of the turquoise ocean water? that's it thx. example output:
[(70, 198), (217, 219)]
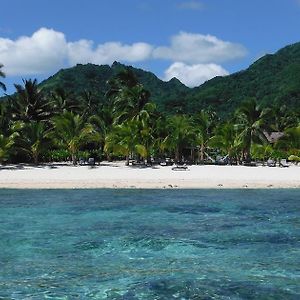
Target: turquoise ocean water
[(149, 244)]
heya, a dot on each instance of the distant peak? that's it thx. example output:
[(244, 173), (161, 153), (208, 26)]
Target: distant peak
[(116, 64), (175, 80)]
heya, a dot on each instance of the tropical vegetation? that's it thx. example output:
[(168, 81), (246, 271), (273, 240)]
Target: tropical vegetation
[(126, 113)]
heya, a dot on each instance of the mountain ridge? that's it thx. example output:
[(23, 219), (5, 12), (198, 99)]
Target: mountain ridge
[(274, 80)]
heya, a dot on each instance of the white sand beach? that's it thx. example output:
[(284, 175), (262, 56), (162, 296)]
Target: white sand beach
[(117, 175)]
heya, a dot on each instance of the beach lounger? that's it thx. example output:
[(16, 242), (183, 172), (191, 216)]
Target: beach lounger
[(283, 163), (91, 161), (180, 168), (271, 163)]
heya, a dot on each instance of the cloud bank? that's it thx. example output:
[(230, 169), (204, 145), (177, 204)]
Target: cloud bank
[(198, 48), (193, 75), (194, 57), (44, 51)]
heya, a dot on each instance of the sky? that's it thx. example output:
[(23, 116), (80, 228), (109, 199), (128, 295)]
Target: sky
[(193, 40)]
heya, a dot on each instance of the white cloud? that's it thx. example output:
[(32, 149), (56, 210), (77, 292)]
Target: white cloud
[(193, 75), (191, 5), (197, 48), (48, 50), (45, 50)]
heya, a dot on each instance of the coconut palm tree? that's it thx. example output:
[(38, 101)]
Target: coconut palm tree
[(124, 140), (290, 141), (261, 151), (29, 103), (34, 139), (2, 74), (4, 118), (180, 134), (89, 103), (204, 122), (63, 101), (127, 96), (226, 139), (71, 132), (6, 146), (250, 123)]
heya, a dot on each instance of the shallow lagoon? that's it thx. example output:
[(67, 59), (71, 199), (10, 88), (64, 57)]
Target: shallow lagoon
[(149, 244)]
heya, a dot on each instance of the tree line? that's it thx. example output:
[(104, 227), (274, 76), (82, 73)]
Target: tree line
[(41, 126)]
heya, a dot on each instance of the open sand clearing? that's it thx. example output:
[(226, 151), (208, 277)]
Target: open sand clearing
[(117, 175)]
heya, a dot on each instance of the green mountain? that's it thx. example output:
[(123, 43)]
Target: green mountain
[(94, 78), (272, 80)]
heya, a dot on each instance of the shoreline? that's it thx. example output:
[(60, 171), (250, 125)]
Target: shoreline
[(118, 176)]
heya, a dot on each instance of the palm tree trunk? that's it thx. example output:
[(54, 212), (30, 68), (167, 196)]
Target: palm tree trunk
[(74, 160), (35, 158), (202, 152), (177, 154)]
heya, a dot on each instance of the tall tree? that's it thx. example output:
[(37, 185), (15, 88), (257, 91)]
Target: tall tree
[(29, 103), (63, 101), (128, 97), (251, 123), (226, 139), (204, 122), (180, 134)]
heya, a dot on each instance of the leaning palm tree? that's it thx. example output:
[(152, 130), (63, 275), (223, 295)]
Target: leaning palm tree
[(2, 74), (251, 123), (71, 132)]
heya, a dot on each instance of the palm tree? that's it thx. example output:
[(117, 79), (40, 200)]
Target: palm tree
[(204, 122), (71, 132), (6, 146), (250, 123), (30, 103), (2, 74), (89, 103), (262, 151), (63, 101), (123, 140), (4, 118), (34, 138), (290, 141), (226, 139), (180, 133), (127, 96)]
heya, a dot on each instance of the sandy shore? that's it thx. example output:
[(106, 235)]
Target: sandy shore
[(117, 175)]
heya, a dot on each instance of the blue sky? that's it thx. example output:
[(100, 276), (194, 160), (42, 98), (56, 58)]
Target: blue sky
[(193, 40)]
